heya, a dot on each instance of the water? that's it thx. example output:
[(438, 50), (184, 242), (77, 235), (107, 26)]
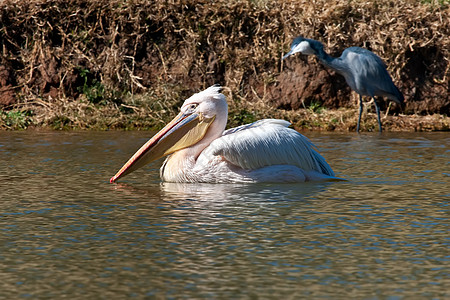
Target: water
[(66, 232)]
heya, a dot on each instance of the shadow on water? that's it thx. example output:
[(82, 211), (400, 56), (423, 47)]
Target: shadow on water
[(224, 199), (206, 192)]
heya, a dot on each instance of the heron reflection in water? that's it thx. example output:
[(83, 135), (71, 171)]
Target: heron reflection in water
[(363, 71)]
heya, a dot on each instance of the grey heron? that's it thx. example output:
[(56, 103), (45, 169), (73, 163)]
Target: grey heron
[(363, 71)]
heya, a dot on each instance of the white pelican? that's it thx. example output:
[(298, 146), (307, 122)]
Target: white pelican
[(201, 150)]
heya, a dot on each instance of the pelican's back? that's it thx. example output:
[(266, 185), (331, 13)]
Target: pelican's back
[(266, 143)]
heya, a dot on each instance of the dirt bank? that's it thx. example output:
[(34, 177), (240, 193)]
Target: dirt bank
[(129, 64)]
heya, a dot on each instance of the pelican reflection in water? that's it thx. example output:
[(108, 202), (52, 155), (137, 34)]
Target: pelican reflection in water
[(199, 149)]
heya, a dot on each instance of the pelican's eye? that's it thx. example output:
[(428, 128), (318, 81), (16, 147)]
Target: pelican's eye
[(191, 107)]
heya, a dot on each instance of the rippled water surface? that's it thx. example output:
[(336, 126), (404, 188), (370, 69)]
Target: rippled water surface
[(66, 232)]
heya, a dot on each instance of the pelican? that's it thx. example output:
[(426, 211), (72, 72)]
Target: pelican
[(199, 149)]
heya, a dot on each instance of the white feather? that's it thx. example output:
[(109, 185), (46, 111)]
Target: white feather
[(263, 151), (303, 47)]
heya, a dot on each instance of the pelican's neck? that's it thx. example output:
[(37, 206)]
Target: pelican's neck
[(178, 166)]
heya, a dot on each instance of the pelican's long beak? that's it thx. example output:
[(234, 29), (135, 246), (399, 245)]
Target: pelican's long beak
[(183, 131)]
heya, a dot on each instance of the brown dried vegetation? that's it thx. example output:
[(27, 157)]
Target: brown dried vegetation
[(129, 64)]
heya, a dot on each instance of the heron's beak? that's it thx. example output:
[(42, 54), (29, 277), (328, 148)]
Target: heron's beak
[(183, 131), (288, 54)]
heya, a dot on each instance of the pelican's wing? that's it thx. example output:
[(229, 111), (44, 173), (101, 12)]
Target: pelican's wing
[(257, 124), (266, 143)]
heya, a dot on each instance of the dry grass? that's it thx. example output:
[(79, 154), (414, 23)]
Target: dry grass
[(129, 64)]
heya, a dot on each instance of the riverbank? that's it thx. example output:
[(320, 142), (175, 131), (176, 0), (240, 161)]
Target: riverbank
[(146, 113), (85, 64)]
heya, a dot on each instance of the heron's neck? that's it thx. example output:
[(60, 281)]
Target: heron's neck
[(331, 62)]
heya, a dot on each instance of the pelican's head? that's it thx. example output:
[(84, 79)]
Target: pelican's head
[(203, 115), (304, 46)]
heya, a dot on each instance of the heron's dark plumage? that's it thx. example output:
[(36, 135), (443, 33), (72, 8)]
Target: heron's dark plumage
[(362, 69)]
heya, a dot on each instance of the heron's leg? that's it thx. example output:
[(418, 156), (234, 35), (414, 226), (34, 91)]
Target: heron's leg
[(377, 107), (360, 112)]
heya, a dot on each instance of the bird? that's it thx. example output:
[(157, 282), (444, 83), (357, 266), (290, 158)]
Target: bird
[(199, 149), (363, 70)]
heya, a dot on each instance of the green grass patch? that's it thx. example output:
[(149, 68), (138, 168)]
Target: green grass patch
[(15, 119)]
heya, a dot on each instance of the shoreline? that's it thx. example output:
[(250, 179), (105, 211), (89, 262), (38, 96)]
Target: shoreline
[(57, 115)]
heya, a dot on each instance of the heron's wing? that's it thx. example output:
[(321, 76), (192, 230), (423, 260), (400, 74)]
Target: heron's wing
[(266, 143)]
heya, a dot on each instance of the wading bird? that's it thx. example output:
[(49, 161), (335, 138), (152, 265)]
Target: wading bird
[(363, 71), (201, 150)]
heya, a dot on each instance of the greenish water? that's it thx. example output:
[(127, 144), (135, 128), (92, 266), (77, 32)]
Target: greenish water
[(66, 232)]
